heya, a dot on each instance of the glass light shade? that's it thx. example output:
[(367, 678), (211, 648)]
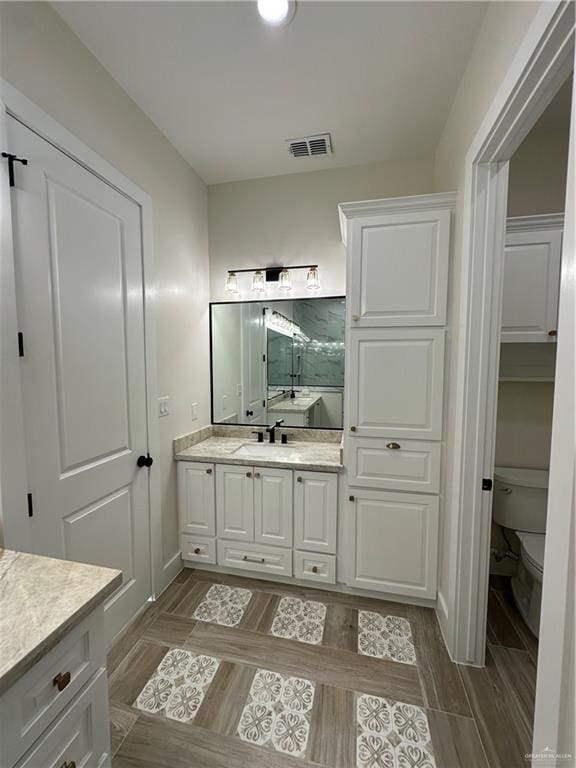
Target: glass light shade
[(274, 12), (258, 283), (232, 283), (285, 281), (312, 279)]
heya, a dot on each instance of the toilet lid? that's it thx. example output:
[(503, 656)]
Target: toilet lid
[(533, 546)]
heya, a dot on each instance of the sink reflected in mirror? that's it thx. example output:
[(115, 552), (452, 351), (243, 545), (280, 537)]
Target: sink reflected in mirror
[(263, 450)]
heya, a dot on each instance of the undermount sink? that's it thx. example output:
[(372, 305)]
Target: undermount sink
[(265, 450)]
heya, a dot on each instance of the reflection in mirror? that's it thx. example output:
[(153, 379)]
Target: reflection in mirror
[(276, 360)]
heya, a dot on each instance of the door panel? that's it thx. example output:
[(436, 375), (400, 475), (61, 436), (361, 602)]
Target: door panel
[(315, 511), (396, 542), (396, 383), (196, 502), (531, 286), (78, 256), (273, 506), (399, 269), (235, 502)]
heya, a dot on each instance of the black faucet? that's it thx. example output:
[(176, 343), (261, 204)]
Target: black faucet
[(272, 430), (260, 435)]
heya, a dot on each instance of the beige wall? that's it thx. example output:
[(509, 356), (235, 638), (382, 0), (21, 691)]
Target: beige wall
[(43, 59), (524, 425), (502, 31), (290, 220)]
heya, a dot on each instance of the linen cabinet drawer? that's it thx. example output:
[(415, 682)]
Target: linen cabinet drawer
[(255, 557), (403, 465), (80, 736), (39, 696), (315, 567), (198, 549)]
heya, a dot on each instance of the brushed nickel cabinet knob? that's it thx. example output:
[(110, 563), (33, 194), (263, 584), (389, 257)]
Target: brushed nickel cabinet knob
[(355, 318), (197, 550), (552, 333), (208, 471), (352, 429), (314, 569)]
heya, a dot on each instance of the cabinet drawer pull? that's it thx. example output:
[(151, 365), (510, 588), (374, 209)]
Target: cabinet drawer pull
[(253, 559), (314, 569), (257, 475), (197, 550), (69, 764), (248, 474), (61, 680), (208, 471), (393, 446)]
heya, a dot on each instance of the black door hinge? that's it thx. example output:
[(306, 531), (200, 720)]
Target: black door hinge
[(11, 160), (30, 506), (20, 344), (486, 484), (263, 358), (264, 403)]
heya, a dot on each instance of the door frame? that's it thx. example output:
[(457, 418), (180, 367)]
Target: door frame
[(543, 62), (13, 479)]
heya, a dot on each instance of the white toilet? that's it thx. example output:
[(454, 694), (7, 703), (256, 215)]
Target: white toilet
[(520, 499)]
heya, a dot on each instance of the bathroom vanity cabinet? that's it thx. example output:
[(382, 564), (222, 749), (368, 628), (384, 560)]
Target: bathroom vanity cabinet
[(264, 519), (398, 254)]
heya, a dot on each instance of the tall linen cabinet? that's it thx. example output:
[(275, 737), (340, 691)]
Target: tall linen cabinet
[(398, 253)]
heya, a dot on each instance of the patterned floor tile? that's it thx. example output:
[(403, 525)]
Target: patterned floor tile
[(178, 686), (391, 735), (301, 620), (277, 712), (385, 637), (223, 605)]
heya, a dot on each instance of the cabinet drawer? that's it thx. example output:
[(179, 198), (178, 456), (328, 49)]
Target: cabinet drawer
[(80, 736), (403, 465), (255, 557), (33, 702), (199, 549), (314, 567)]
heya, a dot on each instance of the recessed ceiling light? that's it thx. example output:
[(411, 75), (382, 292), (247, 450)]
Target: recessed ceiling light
[(276, 13)]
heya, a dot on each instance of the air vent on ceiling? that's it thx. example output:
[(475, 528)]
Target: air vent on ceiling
[(310, 146)]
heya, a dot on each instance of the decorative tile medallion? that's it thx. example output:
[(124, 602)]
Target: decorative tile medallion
[(385, 637), (301, 620), (277, 712), (391, 735), (177, 687), (223, 605)]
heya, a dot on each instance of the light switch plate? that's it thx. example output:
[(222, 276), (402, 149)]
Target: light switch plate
[(164, 406), (195, 411)]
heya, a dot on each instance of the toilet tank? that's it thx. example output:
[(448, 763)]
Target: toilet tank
[(520, 499)]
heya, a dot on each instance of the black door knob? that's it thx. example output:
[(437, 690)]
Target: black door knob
[(145, 461)]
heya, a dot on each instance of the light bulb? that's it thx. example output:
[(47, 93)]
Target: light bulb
[(231, 283), (312, 279), (274, 12), (285, 281), (258, 284)]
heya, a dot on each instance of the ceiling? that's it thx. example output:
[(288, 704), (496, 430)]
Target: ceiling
[(227, 90)]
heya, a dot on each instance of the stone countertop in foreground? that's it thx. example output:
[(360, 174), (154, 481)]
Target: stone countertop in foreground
[(321, 457), (41, 600)]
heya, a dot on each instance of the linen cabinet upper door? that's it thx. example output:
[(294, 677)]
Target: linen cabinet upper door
[(395, 383), (399, 269)]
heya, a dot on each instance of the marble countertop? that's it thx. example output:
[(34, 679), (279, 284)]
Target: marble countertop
[(41, 599), (322, 457), (295, 405)]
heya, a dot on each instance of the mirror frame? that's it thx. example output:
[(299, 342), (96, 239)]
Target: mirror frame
[(213, 304)]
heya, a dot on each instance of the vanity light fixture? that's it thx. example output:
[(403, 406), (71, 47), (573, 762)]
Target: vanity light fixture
[(258, 283), (278, 322), (232, 283), (279, 275), (312, 279)]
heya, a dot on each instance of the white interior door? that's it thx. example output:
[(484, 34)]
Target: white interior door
[(78, 255), (253, 365)]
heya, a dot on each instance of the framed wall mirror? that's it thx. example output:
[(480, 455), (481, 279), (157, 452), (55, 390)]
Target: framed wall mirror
[(280, 359)]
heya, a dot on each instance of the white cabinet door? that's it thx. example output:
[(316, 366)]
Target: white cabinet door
[(531, 286), (395, 383), (395, 542), (234, 502), (315, 511), (196, 498), (398, 266), (273, 506)]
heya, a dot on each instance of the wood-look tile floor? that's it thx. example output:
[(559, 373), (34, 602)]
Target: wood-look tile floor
[(333, 697)]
